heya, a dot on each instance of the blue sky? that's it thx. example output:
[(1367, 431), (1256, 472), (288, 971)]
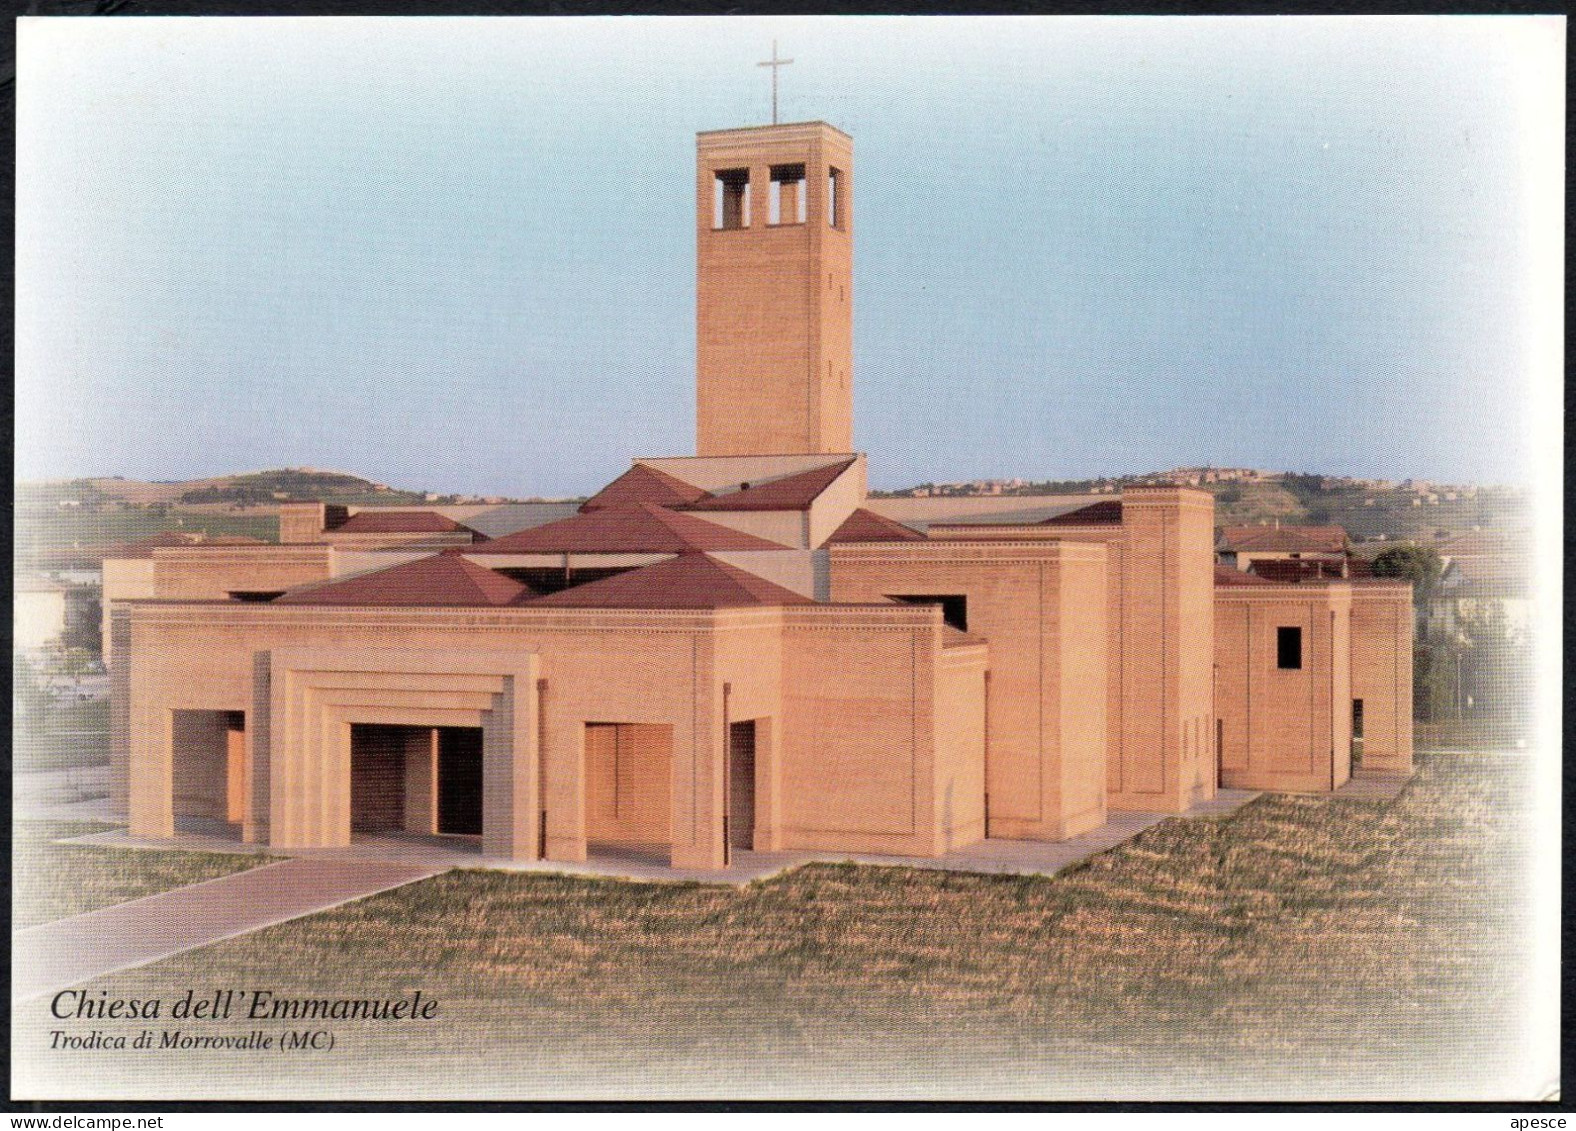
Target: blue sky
[(457, 254)]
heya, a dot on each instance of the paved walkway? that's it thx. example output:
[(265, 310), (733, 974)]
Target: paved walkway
[(1374, 785), (54, 956), (994, 856)]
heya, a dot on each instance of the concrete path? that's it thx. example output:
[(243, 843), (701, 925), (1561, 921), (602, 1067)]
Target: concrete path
[(997, 856), (54, 956), (1374, 785), (994, 856)]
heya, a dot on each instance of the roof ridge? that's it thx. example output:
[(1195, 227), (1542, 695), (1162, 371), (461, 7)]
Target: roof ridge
[(780, 492), (447, 574), (693, 579)]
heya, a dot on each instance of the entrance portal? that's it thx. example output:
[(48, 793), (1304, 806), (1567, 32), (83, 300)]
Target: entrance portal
[(209, 764), (378, 756), (414, 779), (629, 786)]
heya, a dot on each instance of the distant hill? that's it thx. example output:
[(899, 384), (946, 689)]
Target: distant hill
[(289, 484), (91, 515), (1370, 510)]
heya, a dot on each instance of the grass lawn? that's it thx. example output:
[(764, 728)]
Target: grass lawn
[(70, 733), (53, 881), (1305, 947)]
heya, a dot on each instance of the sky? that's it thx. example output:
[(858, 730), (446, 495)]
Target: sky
[(458, 254)]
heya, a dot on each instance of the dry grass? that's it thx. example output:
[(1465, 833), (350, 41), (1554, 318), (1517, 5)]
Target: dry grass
[(54, 881), (1306, 946)]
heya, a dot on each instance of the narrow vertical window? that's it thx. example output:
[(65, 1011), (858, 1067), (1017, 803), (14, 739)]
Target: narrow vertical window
[(785, 201), (731, 199), (1288, 647), (834, 197)]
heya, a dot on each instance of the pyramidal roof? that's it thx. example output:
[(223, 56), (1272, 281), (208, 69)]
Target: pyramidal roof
[(790, 493), (643, 528), (643, 484), (442, 579), (867, 526), (689, 581)]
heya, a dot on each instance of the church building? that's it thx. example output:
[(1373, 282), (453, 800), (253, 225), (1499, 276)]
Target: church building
[(740, 650)]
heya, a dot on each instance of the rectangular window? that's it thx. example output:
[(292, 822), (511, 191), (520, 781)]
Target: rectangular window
[(954, 607), (1288, 647), (834, 197), (1357, 719), (731, 199), (785, 203)]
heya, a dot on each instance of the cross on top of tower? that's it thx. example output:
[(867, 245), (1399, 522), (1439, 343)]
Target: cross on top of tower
[(774, 63)]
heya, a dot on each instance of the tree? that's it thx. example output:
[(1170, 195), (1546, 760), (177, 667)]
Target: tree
[(1421, 565), (1436, 671), (30, 699)]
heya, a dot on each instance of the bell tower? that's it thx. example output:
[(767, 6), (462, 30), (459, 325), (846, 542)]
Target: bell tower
[(774, 291)]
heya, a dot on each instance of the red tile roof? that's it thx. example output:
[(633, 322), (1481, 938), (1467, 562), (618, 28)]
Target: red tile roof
[(1284, 539), (1227, 576), (689, 581), (1475, 543), (790, 493), (1101, 513), (642, 484), (867, 526), (398, 522), (639, 529), (445, 579), (1487, 577), (1309, 569)]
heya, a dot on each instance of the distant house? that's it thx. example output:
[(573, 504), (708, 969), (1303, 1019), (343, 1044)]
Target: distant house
[(1240, 547), (1486, 578), (39, 611)]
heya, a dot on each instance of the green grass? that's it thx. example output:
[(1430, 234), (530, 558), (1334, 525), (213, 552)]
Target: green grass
[(55, 881), (1304, 946), (68, 734)]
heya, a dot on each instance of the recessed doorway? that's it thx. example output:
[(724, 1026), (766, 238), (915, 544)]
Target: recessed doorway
[(629, 769), (741, 784), (460, 781)]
